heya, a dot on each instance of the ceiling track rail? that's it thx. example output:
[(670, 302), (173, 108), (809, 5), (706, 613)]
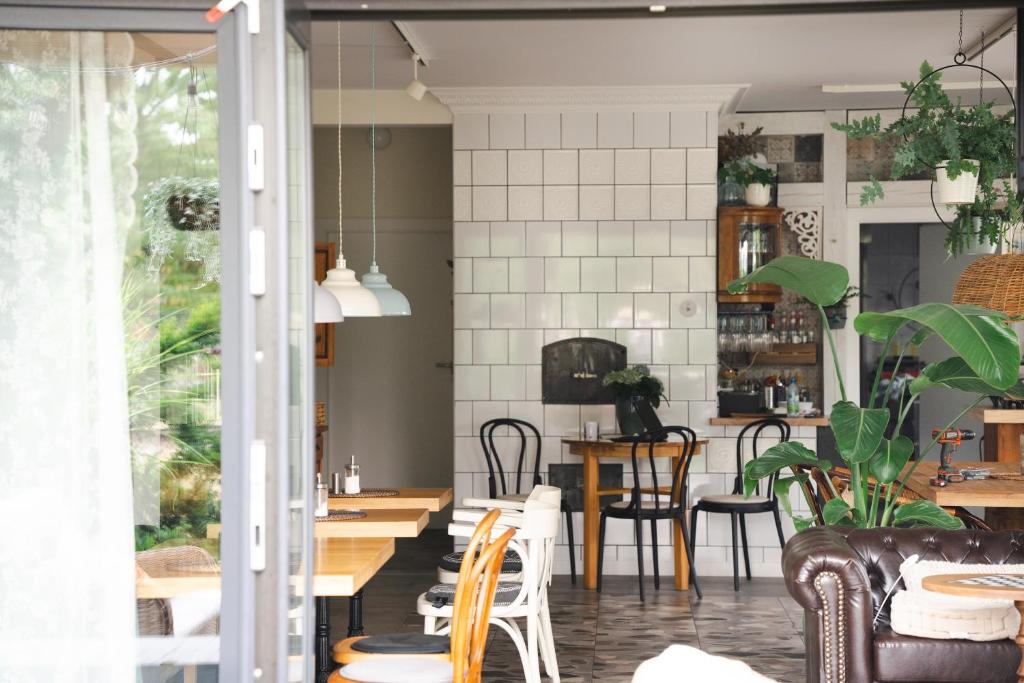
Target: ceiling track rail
[(324, 10)]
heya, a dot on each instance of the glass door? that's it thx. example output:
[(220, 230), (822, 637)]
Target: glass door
[(155, 345)]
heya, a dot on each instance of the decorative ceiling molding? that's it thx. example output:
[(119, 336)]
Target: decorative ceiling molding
[(623, 98)]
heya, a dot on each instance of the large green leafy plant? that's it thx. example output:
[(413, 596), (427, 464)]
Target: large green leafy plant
[(941, 130), (986, 362)]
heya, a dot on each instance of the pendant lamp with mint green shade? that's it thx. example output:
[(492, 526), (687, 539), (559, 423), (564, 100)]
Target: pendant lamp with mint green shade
[(392, 302)]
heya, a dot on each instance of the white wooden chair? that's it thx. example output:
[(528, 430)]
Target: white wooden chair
[(536, 521)]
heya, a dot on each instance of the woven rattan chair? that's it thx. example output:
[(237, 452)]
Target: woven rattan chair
[(154, 616)]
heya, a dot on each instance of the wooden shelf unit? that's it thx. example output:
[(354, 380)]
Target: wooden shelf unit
[(789, 354)]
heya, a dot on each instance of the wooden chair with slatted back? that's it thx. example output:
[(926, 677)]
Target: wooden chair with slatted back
[(478, 580)]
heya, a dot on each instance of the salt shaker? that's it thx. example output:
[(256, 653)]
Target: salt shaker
[(352, 477), (321, 497)]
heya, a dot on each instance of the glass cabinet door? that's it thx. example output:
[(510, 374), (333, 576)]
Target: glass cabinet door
[(756, 246)]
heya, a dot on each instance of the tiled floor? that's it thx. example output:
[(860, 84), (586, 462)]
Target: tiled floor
[(603, 637)]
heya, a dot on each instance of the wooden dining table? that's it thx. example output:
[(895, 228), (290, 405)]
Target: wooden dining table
[(341, 567), (592, 453), (1003, 499), (429, 499), (407, 523)]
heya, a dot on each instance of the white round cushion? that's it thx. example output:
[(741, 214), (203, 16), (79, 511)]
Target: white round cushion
[(399, 670), (933, 615), (734, 499), (679, 662)]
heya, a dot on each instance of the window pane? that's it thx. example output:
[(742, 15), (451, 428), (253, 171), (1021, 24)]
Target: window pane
[(110, 355)]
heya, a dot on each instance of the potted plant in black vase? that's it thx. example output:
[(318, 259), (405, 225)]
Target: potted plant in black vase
[(836, 313), (629, 385)]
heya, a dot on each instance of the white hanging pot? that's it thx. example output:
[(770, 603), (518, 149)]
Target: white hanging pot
[(758, 194), (976, 245), (960, 190)]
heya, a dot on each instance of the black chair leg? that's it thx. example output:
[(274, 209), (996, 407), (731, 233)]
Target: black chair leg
[(639, 532), (600, 551), (735, 556), (743, 537), (688, 545), (572, 544), (654, 554), (693, 532), (778, 527)]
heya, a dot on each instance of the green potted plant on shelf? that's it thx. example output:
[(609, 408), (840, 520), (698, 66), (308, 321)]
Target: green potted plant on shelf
[(986, 362), (756, 178), (968, 148), (629, 385), (835, 314)]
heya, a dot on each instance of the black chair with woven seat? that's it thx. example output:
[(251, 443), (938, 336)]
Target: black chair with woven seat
[(497, 479), (737, 505), (662, 503)]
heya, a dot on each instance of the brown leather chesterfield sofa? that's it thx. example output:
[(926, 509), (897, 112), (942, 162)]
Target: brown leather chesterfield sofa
[(840, 576)]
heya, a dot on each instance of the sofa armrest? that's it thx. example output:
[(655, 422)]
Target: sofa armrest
[(826, 577)]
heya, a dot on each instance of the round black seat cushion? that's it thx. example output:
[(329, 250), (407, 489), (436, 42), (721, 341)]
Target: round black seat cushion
[(512, 564), (443, 594), (404, 644)]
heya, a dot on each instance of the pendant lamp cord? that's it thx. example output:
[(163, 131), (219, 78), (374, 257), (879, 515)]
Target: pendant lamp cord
[(373, 145), (340, 253)]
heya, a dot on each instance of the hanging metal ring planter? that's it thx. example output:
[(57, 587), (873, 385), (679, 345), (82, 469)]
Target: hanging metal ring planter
[(959, 61)]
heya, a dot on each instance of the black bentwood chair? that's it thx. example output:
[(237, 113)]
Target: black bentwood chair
[(657, 507), (497, 476), (736, 505)]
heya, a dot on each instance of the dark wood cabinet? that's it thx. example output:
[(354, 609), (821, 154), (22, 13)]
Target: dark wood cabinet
[(748, 238)]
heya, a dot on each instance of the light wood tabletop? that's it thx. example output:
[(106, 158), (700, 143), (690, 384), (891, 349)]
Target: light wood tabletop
[(592, 452), (376, 524), (989, 493), (430, 499), (341, 567), (953, 584), (743, 421)]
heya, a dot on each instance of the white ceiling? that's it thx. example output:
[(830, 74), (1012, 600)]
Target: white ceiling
[(785, 59)]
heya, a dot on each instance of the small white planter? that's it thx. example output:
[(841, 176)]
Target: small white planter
[(961, 190), (758, 194)]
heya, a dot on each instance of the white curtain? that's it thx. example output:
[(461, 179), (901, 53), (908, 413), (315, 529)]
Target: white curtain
[(67, 147)]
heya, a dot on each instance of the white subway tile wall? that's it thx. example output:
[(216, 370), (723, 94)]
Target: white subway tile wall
[(597, 224)]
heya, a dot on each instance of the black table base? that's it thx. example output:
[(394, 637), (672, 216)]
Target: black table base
[(323, 655)]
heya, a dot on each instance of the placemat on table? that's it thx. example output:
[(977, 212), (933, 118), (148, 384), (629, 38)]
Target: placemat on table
[(368, 493), (341, 515)]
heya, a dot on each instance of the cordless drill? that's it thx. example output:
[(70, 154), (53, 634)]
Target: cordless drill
[(950, 439)]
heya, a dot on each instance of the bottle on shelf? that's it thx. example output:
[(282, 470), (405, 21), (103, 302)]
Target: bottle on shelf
[(793, 398)]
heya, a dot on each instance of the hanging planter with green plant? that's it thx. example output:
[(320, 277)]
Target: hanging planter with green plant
[(177, 209), (960, 144)]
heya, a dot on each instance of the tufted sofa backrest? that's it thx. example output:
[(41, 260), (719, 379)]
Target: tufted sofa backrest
[(883, 550)]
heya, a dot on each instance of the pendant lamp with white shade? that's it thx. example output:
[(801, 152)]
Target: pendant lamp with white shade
[(356, 301), (392, 302), (326, 308)]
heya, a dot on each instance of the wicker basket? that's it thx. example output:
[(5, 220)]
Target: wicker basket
[(321, 413), (995, 282)]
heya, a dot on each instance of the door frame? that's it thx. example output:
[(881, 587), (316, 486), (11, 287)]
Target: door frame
[(238, 623)]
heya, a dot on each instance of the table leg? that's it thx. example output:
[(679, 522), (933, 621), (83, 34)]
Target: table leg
[(355, 614), (323, 640), (681, 566), (591, 519), (1019, 604)]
